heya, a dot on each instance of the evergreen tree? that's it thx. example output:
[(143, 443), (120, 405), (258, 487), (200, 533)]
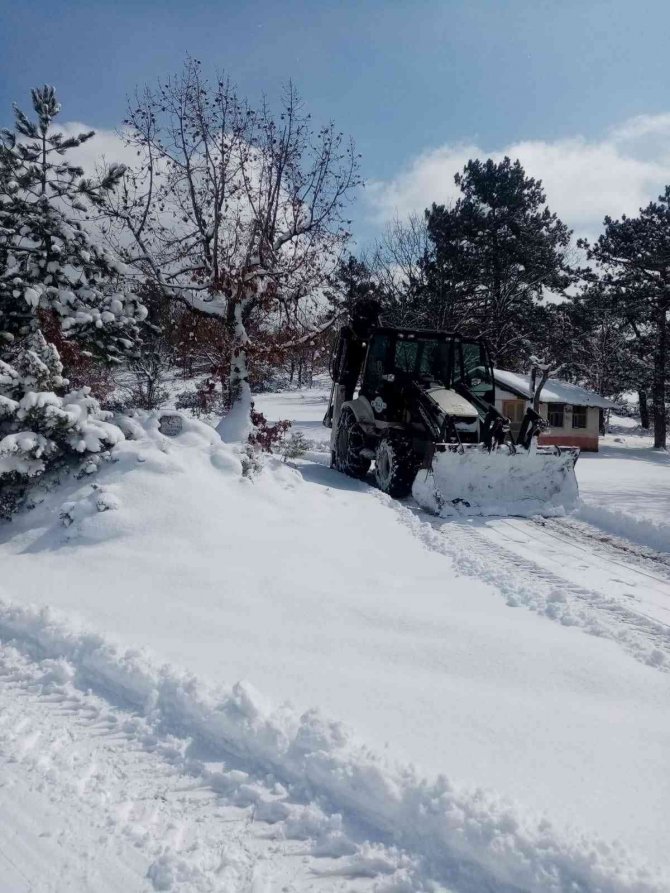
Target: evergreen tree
[(52, 274), (48, 262), (351, 282), (492, 256), (39, 424), (592, 343), (634, 254)]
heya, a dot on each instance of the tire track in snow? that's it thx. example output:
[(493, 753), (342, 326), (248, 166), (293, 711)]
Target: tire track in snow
[(109, 803), (364, 824), (521, 581), (636, 555)]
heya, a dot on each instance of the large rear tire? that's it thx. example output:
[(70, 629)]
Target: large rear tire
[(349, 442), (396, 466)]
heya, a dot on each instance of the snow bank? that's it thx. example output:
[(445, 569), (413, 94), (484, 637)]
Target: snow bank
[(468, 840), (477, 482), (625, 490), (91, 496), (653, 533)]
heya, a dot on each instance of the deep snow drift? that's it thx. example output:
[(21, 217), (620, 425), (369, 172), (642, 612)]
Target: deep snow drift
[(318, 590)]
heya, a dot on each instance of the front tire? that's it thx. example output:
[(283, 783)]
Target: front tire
[(396, 466), (349, 442)]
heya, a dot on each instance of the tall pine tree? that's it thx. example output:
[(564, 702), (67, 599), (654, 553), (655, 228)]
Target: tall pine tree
[(492, 256)]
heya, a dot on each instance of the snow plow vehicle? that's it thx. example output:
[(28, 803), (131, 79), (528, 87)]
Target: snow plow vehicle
[(420, 405)]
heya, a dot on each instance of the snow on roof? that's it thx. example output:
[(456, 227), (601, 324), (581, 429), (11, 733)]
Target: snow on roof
[(554, 391)]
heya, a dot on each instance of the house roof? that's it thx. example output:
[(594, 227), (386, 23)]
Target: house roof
[(554, 391)]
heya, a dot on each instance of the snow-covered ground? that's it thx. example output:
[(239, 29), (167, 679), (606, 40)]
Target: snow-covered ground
[(492, 696), (625, 488)]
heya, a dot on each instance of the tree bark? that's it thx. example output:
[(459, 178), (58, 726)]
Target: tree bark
[(235, 426), (660, 373), (544, 375), (644, 408), (537, 372)]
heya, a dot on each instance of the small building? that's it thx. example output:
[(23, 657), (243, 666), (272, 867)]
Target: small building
[(574, 414)]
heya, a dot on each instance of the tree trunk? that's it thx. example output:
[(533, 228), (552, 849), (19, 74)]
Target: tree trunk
[(603, 420), (532, 387), (235, 426), (644, 408), (660, 373), (536, 387)]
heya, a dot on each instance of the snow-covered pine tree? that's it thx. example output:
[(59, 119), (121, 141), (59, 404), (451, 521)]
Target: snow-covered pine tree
[(52, 271), (48, 262)]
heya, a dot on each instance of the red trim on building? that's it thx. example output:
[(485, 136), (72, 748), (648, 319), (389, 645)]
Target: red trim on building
[(586, 442)]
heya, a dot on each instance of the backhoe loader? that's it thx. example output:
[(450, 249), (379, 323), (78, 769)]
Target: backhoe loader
[(419, 406)]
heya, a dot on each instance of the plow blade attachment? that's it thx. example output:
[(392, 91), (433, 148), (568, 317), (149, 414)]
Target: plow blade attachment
[(476, 482)]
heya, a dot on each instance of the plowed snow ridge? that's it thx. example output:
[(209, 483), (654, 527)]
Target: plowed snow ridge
[(96, 798), (467, 841)]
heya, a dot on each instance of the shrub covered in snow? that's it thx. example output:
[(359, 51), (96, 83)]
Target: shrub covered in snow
[(264, 435), (41, 422), (294, 446)]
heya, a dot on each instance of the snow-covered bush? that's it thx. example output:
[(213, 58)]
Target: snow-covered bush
[(294, 446), (40, 427), (54, 279)]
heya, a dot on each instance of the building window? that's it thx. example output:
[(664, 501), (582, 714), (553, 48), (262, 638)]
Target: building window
[(514, 410), (579, 416), (555, 415)]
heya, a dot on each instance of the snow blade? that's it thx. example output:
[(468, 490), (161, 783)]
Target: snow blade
[(476, 482)]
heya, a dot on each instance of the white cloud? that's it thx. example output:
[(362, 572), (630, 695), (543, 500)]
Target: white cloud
[(105, 146), (584, 180)]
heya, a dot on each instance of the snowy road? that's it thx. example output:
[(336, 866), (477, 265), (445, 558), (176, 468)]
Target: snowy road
[(598, 589), (626, 491), (640, 584), (565, 568)]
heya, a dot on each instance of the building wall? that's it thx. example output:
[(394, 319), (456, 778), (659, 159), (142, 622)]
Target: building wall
[(585, 438)]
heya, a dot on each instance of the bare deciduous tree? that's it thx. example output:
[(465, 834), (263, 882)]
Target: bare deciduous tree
[(233, 210), (540, 372), (396, 264)]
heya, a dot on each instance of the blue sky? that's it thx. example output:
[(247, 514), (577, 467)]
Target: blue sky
[(408, 79)]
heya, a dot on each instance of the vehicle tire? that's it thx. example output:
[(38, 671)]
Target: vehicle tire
[(349, 442), (396, 466)]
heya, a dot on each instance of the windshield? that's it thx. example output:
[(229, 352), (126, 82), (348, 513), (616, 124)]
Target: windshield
[(475, 370), (428, 359), (423, 358)]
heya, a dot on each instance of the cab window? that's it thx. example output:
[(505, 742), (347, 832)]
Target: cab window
[(376, 364), (423, 358), (476, 371)]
